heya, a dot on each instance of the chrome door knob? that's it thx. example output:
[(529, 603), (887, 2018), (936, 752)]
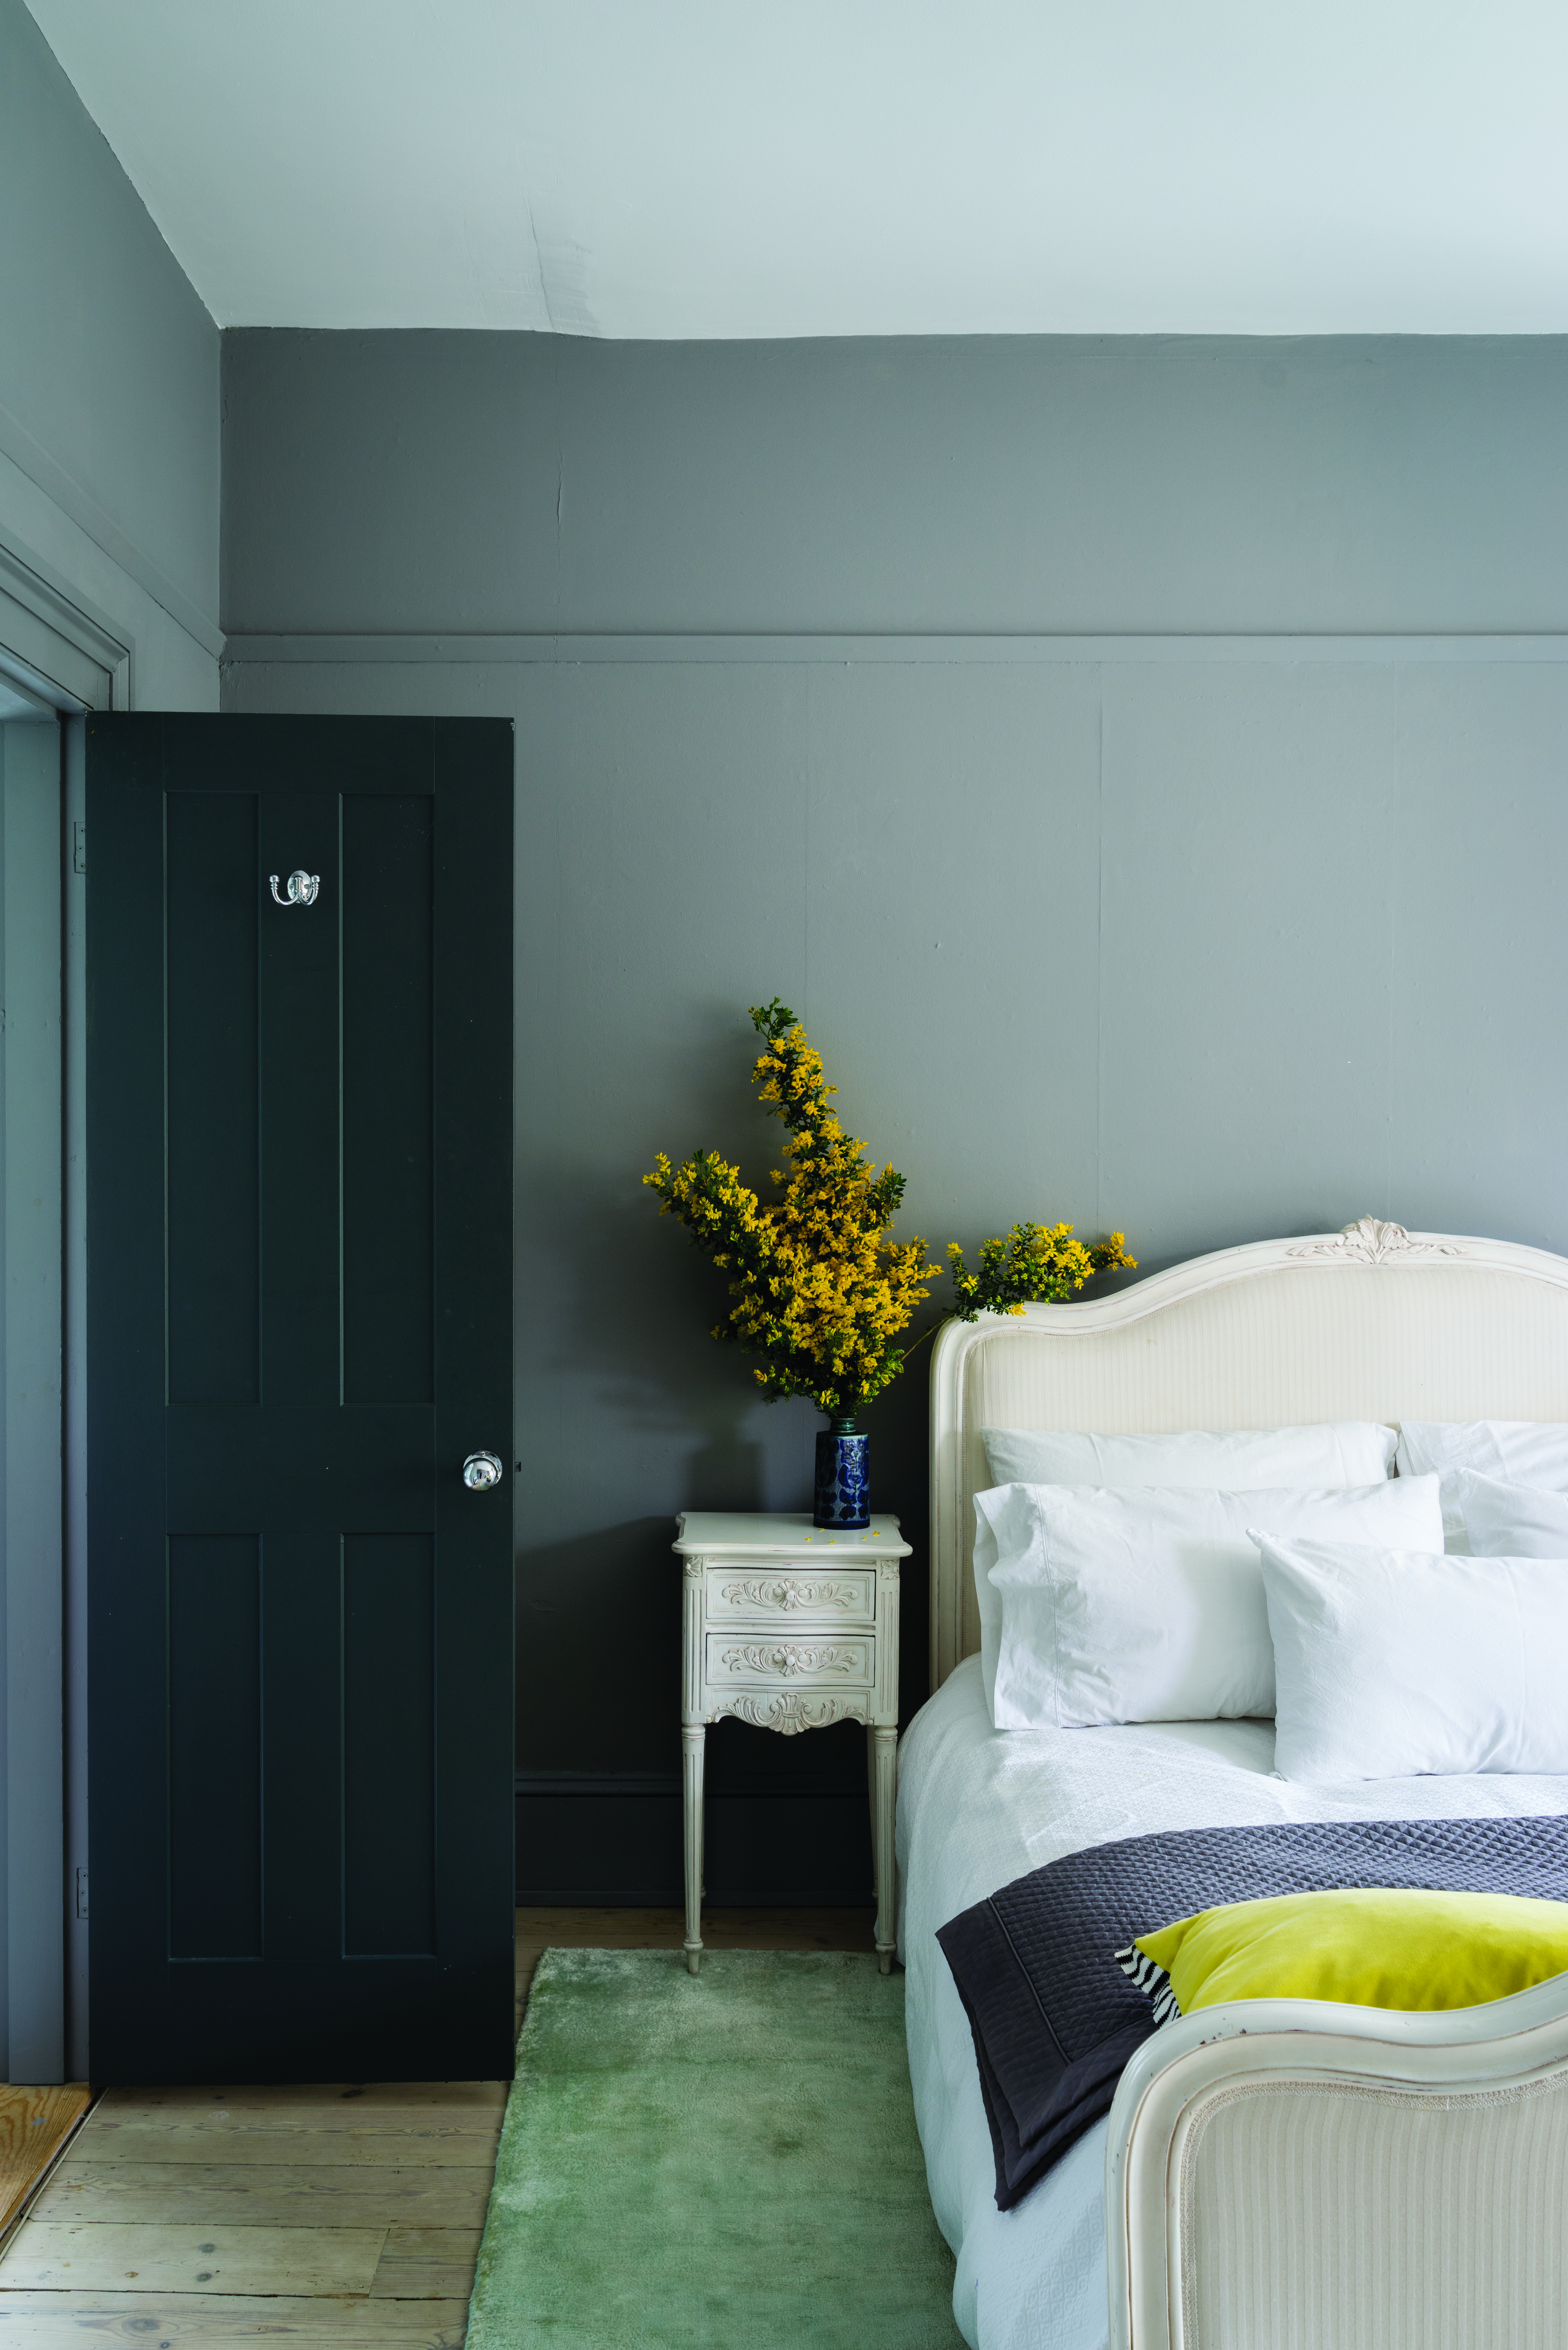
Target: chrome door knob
[(480, 1471)]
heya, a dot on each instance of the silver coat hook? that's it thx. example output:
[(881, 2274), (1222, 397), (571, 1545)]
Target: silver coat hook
[(299, 890)]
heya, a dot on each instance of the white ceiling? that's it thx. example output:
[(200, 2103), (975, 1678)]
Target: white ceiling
[(702, 168)]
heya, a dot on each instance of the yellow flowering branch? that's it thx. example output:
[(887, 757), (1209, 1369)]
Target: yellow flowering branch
[(816, 1289), (1035, 1261)]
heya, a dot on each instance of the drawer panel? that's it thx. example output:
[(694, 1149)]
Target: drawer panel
[(797, 1661), (790, 1594)]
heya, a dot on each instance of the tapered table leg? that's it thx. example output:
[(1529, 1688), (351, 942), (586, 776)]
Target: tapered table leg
[(692, 1736), (884, 1808)]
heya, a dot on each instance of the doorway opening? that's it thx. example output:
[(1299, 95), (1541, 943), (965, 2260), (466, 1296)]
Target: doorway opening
[(33, 1954)]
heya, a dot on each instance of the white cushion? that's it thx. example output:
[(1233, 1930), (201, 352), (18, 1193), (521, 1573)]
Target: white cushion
[(1522, 1451), (1326, 1452), (1392, 1663), (1146, 1604), (1483, 1517)]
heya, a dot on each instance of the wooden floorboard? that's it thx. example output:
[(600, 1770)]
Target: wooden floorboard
[(267, 2195), (293, 2137), (343, 2217), (198, 2320), (426, 2263), (313, 2216), (110, 2256), (34, 2123)]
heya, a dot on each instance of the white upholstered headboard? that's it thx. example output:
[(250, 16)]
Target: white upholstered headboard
[(1372, 1323)]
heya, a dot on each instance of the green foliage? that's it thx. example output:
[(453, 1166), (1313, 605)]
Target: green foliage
[(1035, 1261)]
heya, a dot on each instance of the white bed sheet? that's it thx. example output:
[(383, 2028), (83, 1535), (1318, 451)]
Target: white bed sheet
[(978, 1807)]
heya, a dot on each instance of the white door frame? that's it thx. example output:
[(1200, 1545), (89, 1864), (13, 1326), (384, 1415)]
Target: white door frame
[(56, 642), (64, 652)]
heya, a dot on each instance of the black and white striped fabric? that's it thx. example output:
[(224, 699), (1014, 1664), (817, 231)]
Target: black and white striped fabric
[(1141, 1969)]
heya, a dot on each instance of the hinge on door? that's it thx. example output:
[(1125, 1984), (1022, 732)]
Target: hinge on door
[(78, 850), (81, 1893)]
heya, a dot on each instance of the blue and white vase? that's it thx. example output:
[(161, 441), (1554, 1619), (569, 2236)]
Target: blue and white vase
[(843, 1502)]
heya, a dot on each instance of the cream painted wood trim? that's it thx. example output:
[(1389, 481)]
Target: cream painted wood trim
[(1367, 1242), (1512, 2052)]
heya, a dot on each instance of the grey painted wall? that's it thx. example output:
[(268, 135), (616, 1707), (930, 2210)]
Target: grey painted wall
[(523, 481), (109, 446), (109, 426), (1207, 935)]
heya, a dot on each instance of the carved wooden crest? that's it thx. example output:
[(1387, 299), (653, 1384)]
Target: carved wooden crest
[(1369, 1242)]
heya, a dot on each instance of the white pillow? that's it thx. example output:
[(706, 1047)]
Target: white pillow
[(1523, 1451), (1391, 1663), (1327, 1452), (1485, 1518), (1148, 1605)]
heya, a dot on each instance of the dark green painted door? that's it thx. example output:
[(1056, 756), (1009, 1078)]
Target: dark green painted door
[(299, 1325)]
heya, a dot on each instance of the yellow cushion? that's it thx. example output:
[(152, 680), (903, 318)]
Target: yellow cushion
[(1369, 1948)]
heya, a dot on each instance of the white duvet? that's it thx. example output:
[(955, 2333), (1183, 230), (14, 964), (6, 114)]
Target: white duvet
[(978, 1807)]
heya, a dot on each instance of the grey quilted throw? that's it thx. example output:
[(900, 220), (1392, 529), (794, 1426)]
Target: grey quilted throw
[(1054, 2019)]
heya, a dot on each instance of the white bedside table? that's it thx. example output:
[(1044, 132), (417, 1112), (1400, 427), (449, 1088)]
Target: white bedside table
[(791, 1627)]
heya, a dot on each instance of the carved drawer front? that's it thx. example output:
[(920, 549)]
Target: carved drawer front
[(792, 1595), (790, 1661)]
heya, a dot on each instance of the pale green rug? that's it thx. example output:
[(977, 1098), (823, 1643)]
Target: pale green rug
[(722, 2162)]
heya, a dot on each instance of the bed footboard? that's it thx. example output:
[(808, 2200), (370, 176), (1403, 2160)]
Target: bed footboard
[(1290, 2174)]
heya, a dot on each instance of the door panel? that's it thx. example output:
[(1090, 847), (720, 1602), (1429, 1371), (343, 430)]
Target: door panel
[(300, 1103), (214, 1168), (214, 1747), (299, 1323), (389, 1745), (388, 1174)]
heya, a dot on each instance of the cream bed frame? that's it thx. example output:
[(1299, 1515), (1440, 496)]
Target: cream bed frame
[(1289, 2175)]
